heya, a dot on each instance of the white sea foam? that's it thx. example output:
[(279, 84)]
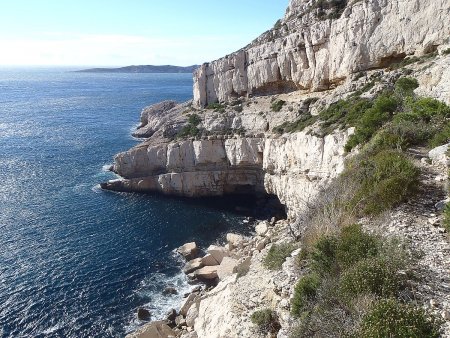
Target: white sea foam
[(152, 288)]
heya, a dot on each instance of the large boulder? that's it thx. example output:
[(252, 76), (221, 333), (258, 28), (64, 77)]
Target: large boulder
[(217, 252), (193, 265), (234, 240), (262, 228), (207, 272), (188, 250), (143, 314), (191, 299), (439, 155), (209, 260), (153, 330), (227, 267)]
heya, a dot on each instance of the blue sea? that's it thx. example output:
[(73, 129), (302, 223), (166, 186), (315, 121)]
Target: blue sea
[(76, 261)]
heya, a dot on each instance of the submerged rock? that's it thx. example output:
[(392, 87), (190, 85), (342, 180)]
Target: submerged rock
[(143, 314)]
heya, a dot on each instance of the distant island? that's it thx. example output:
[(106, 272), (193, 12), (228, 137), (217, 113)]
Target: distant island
[(142, 69)]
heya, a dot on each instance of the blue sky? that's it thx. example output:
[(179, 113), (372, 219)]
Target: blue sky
[(125, 32)]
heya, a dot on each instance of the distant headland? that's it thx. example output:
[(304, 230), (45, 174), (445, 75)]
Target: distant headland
[(142, 69)]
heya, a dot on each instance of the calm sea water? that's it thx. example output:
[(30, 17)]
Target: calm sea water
[(76, 261)]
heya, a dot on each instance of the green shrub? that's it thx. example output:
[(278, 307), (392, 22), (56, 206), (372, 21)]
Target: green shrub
[(406, 85), (389, 318), (266, 320), (290, 127), (277, 254), (215, 105), (343, 113), (354, 244), (323, 255), (304, 292), (447, 217), (277, 24), (277, 105), (387, 178), (373, 118), (373, 275), (440, 137), (194, 119), (446, 52), (191, 129)]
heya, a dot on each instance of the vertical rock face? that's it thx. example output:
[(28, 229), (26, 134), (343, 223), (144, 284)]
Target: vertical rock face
[(281, 166), (315, 50)]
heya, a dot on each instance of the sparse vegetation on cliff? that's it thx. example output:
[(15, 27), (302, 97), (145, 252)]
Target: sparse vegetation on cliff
[(277, 105), (394, 119), (266, 320), (277, 255), (191, 129)]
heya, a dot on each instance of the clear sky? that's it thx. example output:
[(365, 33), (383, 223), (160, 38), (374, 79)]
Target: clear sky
[(126, 32)]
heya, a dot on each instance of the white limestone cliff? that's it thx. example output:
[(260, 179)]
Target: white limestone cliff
[(305, 52), (280, 166)]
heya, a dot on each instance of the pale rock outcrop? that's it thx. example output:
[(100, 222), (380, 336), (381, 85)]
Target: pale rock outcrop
[(281, 166), (305, 52), (188, 250), (153, 330), (217, 252), (439, 155), (206, 273), (227, 267)]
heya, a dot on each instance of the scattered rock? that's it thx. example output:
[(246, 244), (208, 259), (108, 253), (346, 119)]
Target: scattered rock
[(143, 314), (217, 252), (207, 272), (193, 265), (180, 321), (153, 330), (188, 250), (234, 240), (262, 228), (445, 315), (209, 260), (170, 290), (441, 204), (439, 154), (226, 268)]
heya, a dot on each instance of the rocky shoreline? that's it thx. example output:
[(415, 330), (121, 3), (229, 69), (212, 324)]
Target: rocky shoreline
[(272, 119)]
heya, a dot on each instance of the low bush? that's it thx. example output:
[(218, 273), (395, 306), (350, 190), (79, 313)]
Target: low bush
[(387, 178), (355, 244), (191, 129), (296, 126), (215, 105), (194, 120), (405, 86), (373, 118), (266, 320), (447, 217), (389, 318), (375, 275), (304, 292), (277, 254), (277, 105)]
